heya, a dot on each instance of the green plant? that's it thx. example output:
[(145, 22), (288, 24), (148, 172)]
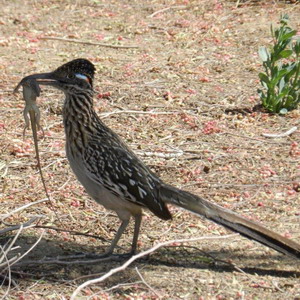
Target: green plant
[(281, 82)]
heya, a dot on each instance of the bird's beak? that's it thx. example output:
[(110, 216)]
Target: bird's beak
[(36, 79), (42, 78)]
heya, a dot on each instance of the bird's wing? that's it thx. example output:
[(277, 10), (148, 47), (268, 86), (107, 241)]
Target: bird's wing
[(125, 175)]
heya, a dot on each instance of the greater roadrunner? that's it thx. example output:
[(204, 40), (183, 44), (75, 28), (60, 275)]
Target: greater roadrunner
[(116, 178)]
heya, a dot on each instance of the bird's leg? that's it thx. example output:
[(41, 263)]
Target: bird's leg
[(137, 225), (117, 237), (123, 226), (114, 242)]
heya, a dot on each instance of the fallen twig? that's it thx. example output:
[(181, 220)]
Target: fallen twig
[(279, 135), (252, 139), (30, 249), (120, 285), (5, 250), (4, 166), (147, 284), (18, 226), (19, 209), (59, 261), (72, 232), (237, 4), (160, 154), (86, 42), (166, 9), (141, 254), (9, 274)]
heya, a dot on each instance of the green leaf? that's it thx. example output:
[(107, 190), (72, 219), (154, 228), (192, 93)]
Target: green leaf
[(263, 54), (284, 19), (288, 35), (285, 90), (277, 32), (285, 53), (297, 47), (281, 79), (291, 68), (281, 73), (272, 31), (278, 77), (263, 77), (261, 95), (281, 84)]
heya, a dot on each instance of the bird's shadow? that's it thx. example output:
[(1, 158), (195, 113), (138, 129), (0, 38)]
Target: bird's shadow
[(37, 265)]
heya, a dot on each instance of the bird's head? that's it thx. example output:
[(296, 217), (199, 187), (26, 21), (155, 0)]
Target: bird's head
[(75, 75)]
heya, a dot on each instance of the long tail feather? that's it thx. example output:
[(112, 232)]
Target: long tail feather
[(229, 219)]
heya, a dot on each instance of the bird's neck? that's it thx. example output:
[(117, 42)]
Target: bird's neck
[(79, 119)]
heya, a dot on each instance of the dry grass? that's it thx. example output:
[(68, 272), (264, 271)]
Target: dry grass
[(185, 101)]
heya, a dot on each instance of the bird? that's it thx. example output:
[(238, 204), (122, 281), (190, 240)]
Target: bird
[(114, 176)]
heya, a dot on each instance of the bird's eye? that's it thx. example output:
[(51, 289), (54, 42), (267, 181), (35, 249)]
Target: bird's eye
[(71, 76)]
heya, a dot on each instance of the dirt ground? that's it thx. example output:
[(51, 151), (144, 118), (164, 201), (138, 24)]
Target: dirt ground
[(183, 96)]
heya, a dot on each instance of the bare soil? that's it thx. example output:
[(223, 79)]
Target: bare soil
[(185, 99)]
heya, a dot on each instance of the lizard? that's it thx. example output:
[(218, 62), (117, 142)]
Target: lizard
[(31, 91)]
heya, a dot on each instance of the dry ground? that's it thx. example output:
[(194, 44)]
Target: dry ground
[(195, 69)]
